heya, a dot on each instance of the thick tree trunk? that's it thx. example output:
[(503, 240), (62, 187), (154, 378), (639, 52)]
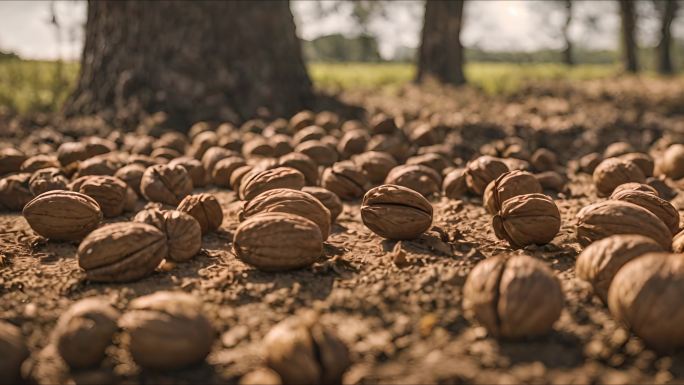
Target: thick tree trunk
[(665, 44), (200, 60), (567, 50), (441, 53), (629, 46)]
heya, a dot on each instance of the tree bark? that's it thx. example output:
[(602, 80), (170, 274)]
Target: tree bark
[(441, 53), (665, 66), (200, 60), (567, 50), (629, 46)]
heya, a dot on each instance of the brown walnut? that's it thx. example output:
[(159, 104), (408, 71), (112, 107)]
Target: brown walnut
[(396, 212), (205, 208), (526, 220), (63, 215)]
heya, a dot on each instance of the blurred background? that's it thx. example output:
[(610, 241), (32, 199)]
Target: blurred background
[(355, 44)]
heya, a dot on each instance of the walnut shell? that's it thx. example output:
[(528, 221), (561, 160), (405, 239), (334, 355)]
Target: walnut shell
[(14, 192), (437, 162), (166, 184), (617, 149), (257, 147), (109, 192), (382, 124), (11, 160), (544, 160), (37, 162), (641, 160), (122, 252), (672, 162), (302, 351), (656, 205), (206, 210), (646, 296), (167, 331), (345, 179), (600, 261), (419, 178), (13, 351), (99, 165), (303, 164), (255, 182), (289, 201), (551, 180), (633, 186), (236, 177), (353, 142), (481, 171), (607, 218), (282, 144), (84, 332), (454, 185), (376, 165), (395, 145), (278, 241), (47, 179), (63, 215), (302, 119), (613, 172), (183, 232), (195, 170), (396, 212), (513, 297), (508, 185), (261, 376), (329, 199), (589, 162), (224, 168), (321, 153), (132, 175), (526, 220), (312, 132)]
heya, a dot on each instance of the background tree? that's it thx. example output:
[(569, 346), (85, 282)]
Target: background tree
[(440, 55), (567, 49), (193, 60), (629, 46), (668, 10)]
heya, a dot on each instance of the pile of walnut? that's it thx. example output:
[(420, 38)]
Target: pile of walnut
[(292, 177)]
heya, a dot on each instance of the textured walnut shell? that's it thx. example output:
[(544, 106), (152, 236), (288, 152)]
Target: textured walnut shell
[(63, 215), (261, 376), (183, 232), (14, 192), (419, 178), (236, 177), (321, 153), (312, 132), (278, 241), (213, 155), (303, 164), (131, 175), (206, 210), (13, 351), (224, 168), (617, 149), (454, 185), (47, 179), (544, 160), (302, 119), (396, 212), (656, 205), (526, 220), (513, 297), (255, 183), (122, 252), (481, 171), (551, 180), (345, 179), (84, 332), (646, 296), (641, 160), (302, 351), (434, 161), (589, 162), (195, 170), (613, 172), (424, 134), (37, 162), (100, 165), (633, 186), (329, 199), (678, 242), (353, 142), (292, 202), (672, 162), (166, 184), (11, 160), (508, 185), (109, 192), (600, 261), (167, 331), (604, 219), (376, 165)]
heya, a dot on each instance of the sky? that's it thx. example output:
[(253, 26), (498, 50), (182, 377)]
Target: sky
[(495, 25)]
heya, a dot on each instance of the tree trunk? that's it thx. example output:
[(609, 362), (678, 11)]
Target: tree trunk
[(629, 46), (200, 60), (567, 50), (664, 45), (441, 52)]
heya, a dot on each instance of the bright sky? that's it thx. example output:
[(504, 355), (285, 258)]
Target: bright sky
[(523, 25)]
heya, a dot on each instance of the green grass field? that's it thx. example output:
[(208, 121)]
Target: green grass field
[(38, 86)]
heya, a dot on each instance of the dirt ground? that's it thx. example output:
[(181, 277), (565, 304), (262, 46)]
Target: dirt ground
[(402, 320)]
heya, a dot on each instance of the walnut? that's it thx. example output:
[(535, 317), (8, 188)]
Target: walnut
[(257, 147), (63, 215), (256, 182), (302, 351), (508, 185), (183, 232), (424, 134), (166, 184), (616, 149), (641, 160), (11, 160), (109, 192), (71, 152), (419, 178), (99, 165), (37, 162), (213, 155), (396, 212), (353, 142), (454, 185), (329, 199), (526, 220), (312, 132), (607, 218), (15, 192), (481, 171), (376, 165), (236, 177), (589, 162), (513, 297), (201, 143), (663, 188), (278, 241), (544, 160), (633, 186), (678, 242), (600, 261), (302, 119), (224, 168), (261, 376), (552, 181), (646, 296), (282, 144), (194, 168), (167, 331), (656, 205), (321, 153), (206, 210), (328, 120), (122, 252), (672, 162), (395, 145), (132, 175), (382, 124), (84, 332), (290, 201), (47, 179), (434, 161), (303, 164), (613, 172), (13, 351), (345, 179)]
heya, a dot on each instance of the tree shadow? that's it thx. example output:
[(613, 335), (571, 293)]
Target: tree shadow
[(559, 349)]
